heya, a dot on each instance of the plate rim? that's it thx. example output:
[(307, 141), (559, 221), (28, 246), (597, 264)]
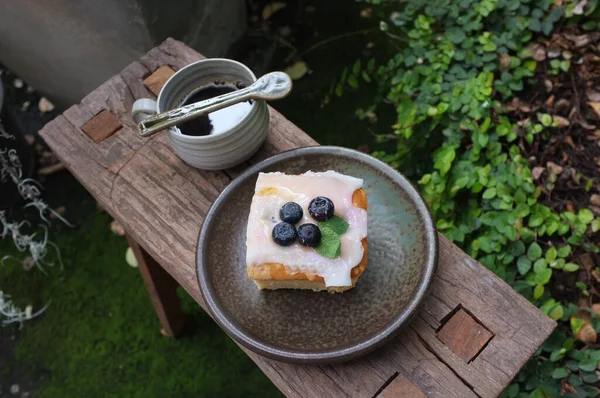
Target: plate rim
[(334, 355)]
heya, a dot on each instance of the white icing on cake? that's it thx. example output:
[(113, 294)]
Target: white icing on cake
[(273, 190)]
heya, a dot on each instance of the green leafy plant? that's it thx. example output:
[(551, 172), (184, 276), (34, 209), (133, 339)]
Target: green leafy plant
[(463, 60)]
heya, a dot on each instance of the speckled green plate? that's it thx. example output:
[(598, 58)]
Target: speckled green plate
[(304, 326)]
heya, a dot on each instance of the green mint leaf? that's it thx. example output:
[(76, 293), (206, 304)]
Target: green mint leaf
[(336, 224), (330, 245)]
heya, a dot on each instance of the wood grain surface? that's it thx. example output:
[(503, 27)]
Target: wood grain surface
[(464, 335), (161, 202)]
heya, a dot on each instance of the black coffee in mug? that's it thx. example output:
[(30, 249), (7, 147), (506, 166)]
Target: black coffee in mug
[(215, 122)]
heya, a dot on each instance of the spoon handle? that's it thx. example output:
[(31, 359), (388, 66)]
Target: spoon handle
[(164, 120)]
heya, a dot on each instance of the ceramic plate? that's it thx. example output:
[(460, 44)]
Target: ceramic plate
[(319, 327)]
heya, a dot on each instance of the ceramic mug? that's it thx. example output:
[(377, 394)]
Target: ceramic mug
[(217, 151)]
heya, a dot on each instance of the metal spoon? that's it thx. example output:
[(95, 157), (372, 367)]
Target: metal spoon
[(272, 86)]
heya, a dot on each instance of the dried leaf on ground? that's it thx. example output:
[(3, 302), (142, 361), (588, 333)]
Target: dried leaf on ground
[(586, 334), (595, 106), (586, 261), (554, 52), (537, 51), (560, 121), (366, 12), (562, 104), (569, 141), (504, 61), (582, 40), (595, 200), (45, 105), (536, 173), (554, 168), (271, 9), (297, 70), (593, 95), (117, 228), (517, 105)]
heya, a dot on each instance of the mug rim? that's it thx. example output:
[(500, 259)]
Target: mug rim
[(176, 134)]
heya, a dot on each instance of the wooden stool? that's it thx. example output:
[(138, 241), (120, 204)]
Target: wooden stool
[(470, 337)]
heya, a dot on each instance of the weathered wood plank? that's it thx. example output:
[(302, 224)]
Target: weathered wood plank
[(101, 126), (465, 345), (162, 202), (401, 387), (157, 80)]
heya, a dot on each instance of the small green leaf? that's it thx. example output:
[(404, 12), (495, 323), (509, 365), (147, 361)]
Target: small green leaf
[(336, 224), (545, 119), (527, 235), (356, 67), (557, 312), (443, 158), (558, 354), (559, 373), (330, 245), (513, 391), (596, 225), (576, 324), (585, 216), (489, 193), (352, 81), (558, 264), (538, 291), (534, 251), (524, 265), (536, 220), (591, 377), (563, 229), (551, 254), (539, 265), (588, 365), (564, 251), (571, 267), (535, 25), (543, 276), (425, 179), (572, 365)]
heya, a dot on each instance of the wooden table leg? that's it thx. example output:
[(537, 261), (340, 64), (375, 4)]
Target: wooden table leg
[(162, 289)]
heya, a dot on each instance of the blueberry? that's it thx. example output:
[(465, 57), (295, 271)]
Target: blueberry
[(321, 208), (284, 234), (309, 235), (240, 85), (291, 212)]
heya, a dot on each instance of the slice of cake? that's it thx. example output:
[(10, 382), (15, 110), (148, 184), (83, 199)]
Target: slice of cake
[(307, 231)]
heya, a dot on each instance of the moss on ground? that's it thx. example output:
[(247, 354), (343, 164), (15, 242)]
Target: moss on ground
[(100, 336)]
